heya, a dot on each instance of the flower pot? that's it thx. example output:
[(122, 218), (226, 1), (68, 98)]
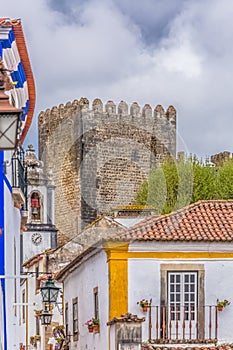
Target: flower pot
[(96, 328), (90, 329), (220, 308), (145, 308)]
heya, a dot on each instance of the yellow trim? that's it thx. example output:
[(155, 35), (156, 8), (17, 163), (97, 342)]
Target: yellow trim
[(117, 257), (118, 279), (122, 255)]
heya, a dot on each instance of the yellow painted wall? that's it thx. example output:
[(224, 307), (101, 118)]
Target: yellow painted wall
[(118, 255), (118, 279)]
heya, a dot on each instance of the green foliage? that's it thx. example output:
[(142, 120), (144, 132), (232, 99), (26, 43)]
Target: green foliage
[(224, 182), (204, 182), (177, 183)]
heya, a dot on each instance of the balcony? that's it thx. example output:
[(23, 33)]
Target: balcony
[(182, 324), (19, 180)]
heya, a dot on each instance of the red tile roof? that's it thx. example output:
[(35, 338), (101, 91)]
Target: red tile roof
[(202, 221), (126, 318)]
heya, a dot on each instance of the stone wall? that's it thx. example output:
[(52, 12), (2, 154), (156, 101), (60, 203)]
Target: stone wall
[(219, 158), (100, 156)]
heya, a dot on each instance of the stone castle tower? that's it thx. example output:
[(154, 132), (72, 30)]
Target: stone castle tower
[(100, 156)]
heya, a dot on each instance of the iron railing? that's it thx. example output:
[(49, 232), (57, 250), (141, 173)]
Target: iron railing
[(19, 174), (183, 324)]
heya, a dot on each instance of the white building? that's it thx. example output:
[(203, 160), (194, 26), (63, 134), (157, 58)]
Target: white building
[(16, 72), (38, 240), (181, 263)]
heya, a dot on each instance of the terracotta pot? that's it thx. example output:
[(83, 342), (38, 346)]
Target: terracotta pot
[(220, 308), (145, 308), (96, 328), (90, 329)]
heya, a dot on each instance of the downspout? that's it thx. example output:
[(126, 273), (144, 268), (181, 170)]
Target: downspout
[(63, 304), (2, 244), (109, 339), (26, 313)]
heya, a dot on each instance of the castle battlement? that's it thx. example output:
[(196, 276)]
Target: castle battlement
[(122, 109), (100, 153)]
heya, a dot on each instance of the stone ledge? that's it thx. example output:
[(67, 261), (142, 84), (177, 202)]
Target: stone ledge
[(17, 195)]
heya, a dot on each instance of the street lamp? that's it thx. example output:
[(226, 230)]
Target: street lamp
[(46, 318), (49, 292), (10, 119)]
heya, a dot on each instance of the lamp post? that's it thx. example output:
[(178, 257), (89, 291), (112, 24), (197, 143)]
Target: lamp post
[(10, 119)]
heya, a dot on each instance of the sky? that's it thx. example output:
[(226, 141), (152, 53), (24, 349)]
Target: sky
[(169, 52)]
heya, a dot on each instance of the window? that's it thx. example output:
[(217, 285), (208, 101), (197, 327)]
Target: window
[(37, 281), (75, 318), (35, 207), (67, 318), (182, 295), (182, 300), (96, 303), (23, 307)]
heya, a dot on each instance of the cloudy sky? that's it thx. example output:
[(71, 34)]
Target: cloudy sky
[(169, 52)]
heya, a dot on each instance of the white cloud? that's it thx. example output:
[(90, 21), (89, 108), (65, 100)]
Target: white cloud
[(102, 51)]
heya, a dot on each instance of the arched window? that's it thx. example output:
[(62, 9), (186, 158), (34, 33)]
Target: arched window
[(35, 206)]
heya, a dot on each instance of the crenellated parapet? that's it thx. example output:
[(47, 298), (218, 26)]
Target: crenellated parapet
[(100, 153), (58, 114)]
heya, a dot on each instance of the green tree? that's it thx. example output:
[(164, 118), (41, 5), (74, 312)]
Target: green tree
[(177, 183), (204, 182), (169, 186), (224, 180)]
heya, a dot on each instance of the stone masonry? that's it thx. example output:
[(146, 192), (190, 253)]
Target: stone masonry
[(100, 156)]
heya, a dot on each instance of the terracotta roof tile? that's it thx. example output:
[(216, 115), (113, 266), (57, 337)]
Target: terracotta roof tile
[(202, 221)]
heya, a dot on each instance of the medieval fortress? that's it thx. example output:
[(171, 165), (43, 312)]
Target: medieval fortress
[(99, 156)]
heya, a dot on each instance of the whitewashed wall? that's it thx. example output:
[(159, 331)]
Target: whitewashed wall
[(144, 280), (31, 249), (80, 283), (12, 220), (1, 322), (35, 303)]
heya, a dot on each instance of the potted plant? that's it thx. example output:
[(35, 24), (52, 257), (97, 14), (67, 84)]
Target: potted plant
[(38, 313), (89, 325), (222, 304), (37, 337), (96, 325), (34, 339), (144, 303)]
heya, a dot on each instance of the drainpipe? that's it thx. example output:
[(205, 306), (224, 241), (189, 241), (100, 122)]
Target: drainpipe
[(26, 314), (2, 244)]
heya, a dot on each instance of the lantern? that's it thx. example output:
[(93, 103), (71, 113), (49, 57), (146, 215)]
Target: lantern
[(49, 292), (46, 318), (10, 121)]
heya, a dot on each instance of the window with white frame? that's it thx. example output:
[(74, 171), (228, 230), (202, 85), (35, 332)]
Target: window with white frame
[(182, 300), (182, 294)]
